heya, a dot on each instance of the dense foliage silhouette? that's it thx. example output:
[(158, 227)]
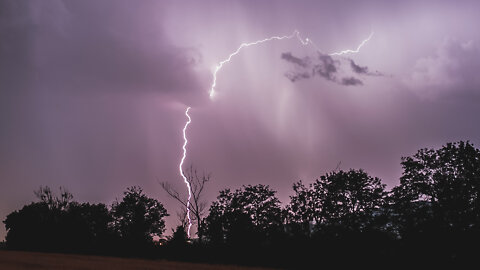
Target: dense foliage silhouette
[(348, 200), (138, 218), (57, 223), (243, 217), (342, 218)]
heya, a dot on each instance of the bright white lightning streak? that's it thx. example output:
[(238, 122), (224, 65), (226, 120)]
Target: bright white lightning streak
[(356, 50), (180, 167), (219, 66), (295, 33), (243, 45)]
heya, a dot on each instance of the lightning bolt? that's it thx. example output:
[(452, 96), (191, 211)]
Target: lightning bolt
[(180, 167), (357, 49), (219, 66), (296, 34), (243, 45)]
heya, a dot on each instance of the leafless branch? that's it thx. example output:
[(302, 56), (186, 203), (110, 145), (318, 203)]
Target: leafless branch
[(197, 204)]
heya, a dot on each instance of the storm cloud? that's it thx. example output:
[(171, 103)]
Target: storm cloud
[(358, 69), (351, 81), (323, 66), (326, 67), (302, 62)]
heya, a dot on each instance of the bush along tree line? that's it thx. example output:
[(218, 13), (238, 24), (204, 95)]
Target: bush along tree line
[(343, 217)]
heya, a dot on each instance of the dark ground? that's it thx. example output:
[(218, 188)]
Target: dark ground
[(15, 260)]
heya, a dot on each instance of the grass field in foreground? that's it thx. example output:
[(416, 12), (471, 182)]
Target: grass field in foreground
[(14, 260)]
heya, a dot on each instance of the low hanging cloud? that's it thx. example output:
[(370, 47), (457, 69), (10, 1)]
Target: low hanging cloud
[(451, 70), (363, 70), (351, 81), (302, 62), (358, 69), (325, 67)]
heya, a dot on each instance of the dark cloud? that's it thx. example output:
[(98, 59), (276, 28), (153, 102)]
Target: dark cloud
[(351, 81), (303, 62), (358, 69), (362, 70), (325, 67), (300, 63), (295, 76)]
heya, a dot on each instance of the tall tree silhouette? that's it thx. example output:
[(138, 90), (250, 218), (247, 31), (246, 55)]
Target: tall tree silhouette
[(179, 237), (31, 228), (304, 209), (440, 188), (57, 223), (40, 225), (137, 218), (251, 213), (88, 226), (342, 199)]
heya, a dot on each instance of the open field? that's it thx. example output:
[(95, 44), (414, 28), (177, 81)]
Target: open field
[(15, 260)]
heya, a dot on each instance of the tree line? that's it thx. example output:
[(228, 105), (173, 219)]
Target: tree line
[(343, 217)]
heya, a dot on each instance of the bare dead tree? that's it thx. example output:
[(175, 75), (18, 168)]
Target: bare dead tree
[(182, 216), (197, 203), (338, 166), (47, 196)]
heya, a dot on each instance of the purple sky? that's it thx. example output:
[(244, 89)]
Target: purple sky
[(93, 93)]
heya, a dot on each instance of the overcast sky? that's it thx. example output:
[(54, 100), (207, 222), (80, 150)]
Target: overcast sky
[(93, 93)]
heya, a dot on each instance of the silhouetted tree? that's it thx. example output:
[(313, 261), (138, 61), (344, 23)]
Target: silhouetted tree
[(137, 218), (88, 226), (352, 198), (251, 213), (179, 237), (40, 226), (57, 223), (304, 209), (440, 189), (346, 200), (31, 228)]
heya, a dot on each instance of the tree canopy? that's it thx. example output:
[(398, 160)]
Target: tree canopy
[(137, 218), (442, 187), (344, 199), (249, 213)]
